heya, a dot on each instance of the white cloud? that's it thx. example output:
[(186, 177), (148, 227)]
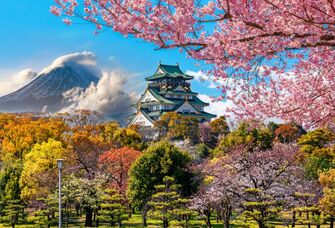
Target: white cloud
[(107, 97), (85, 59), (216, 107), (200, 76), (219, 108), (16, 81)]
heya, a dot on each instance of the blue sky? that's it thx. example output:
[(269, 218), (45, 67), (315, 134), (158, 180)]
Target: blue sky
[(31, 37)]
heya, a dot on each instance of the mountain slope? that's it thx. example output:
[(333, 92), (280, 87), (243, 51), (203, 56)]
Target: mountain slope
[(47, 90)]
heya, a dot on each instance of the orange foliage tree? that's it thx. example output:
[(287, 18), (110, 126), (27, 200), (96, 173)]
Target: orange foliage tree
[(19, 135), (288, 133), (116, 163), (85, 149)]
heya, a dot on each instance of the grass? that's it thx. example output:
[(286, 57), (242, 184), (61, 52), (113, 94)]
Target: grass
[(136, 221)]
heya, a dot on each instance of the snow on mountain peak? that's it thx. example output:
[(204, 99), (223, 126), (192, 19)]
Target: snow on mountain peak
[(79, 61), (72, 82)]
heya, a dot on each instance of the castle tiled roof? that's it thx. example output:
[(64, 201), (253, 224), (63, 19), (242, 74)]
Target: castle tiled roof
[(173, 94), (172, 101), (168, 71)]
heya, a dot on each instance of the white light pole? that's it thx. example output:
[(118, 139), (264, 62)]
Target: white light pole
[(60, 163)]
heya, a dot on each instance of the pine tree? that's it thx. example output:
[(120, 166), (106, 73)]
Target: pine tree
[(306, 210), (46, 215), (14, 213), (260, 206), (167, 204), (113, 208)]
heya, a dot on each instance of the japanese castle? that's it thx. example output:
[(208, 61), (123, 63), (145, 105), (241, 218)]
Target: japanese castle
[(168, 90)]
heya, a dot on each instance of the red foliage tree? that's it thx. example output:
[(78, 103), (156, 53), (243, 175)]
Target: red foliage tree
[(117, 163)]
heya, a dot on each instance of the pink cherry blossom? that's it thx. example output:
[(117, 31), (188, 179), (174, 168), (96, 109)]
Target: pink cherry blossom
[(67, 21), (238, 40)]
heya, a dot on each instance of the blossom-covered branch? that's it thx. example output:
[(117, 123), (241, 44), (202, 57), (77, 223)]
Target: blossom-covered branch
[(251, 44)]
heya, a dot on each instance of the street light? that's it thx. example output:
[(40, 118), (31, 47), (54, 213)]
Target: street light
[(60, 164)]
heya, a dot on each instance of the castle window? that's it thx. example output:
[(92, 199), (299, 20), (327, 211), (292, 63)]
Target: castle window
[(186, 111), (154, 108)]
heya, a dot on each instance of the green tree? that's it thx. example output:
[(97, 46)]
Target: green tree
[(9, 185), (219, 127), (14, 213), (317, 152), (247, 136), (318, 138), (167, 204), (113, 208), (159, 160), (45, 215), (319, 161), (84, 194), (306, 205), (272, 126), (259, 206), (202, 151)]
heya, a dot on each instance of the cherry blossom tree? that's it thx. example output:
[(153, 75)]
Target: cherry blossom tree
[(253, 183), (273, 58)]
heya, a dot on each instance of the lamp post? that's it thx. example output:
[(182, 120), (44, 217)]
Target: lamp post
[(60, 164)]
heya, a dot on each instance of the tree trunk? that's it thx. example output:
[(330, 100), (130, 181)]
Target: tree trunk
[(130, 210), (208, 219), (226, 213), (94, 215), (226, 223), (165, 223), (318, 214), (67, 217), (96, 218), (144, 217), (77, 210), (293, 218), (261, 224), (331, 221), (88, 218)]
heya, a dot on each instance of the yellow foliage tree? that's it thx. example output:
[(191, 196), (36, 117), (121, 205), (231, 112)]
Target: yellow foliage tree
[(327, 202), (180, 127), (18, 137), (39, 175)]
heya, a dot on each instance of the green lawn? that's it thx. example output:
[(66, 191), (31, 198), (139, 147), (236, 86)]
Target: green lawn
[(136, 221)]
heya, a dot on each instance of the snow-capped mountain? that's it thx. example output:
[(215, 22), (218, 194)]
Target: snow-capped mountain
[(47, 89)]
